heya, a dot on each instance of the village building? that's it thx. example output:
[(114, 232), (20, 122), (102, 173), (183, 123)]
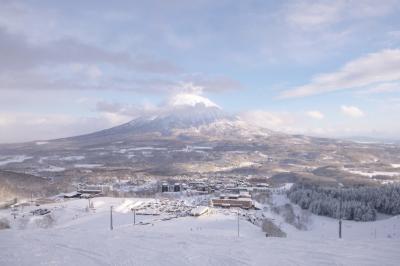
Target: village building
[(233, 200)]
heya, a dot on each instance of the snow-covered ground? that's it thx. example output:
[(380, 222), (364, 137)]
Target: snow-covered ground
[(81, 237), (4, 160), (372, 173), (52, 168), (72, 158), (87, 165)]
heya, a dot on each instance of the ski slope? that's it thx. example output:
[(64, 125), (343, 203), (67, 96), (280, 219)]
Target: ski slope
[(85, 238)]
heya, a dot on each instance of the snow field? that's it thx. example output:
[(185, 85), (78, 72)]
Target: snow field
[(82, 237)]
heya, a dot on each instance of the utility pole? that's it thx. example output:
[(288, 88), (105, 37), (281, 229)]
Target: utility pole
[(238, 223), (134, 215), (14, 212), (111, 218), (340, 210)]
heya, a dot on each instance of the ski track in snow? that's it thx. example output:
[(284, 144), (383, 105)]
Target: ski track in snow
[(129, 248)]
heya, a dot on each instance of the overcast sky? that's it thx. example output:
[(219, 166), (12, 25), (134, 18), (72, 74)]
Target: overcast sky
[(329, 68)]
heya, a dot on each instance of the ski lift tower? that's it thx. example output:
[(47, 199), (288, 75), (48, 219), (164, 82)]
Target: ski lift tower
[(340, 209)]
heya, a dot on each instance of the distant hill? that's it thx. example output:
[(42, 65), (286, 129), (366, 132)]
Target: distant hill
[(22, 186)]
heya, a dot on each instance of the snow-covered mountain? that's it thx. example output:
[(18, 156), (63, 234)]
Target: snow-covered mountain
[(184, 114), (190, 134)]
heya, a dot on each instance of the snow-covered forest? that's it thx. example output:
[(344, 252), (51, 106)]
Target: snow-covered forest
[(358, 203)]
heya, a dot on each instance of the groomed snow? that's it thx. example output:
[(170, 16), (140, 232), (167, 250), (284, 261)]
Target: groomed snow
[(84, 238)]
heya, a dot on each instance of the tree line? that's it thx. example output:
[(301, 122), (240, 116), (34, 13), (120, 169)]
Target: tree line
[(358, 203)]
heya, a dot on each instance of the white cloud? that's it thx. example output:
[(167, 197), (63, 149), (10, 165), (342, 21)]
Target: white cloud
[(311, 14), (315, 114), (308, 15), (6, 120), (188, 87), (383, 88), (300, 123), (374, 68), (15, 125), (270, 120), (92, 72), (352, 111), (115, 119), (287, 122)]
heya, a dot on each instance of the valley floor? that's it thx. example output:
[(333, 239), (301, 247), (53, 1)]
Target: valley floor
[(84, 238)]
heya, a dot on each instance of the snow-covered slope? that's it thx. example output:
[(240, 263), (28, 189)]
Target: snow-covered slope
[(184, 114), (81, 237), (181, 117)]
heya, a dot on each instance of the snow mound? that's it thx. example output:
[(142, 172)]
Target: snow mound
[(128, 205)]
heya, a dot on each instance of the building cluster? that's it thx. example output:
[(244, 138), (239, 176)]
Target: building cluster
[(220, 191), (212, 185), (227, 192), (177, 208)]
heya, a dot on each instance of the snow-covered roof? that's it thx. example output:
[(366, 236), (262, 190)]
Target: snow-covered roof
[(199, 210), (71, 194)]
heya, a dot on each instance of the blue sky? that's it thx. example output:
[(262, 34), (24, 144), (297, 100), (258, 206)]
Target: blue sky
[(326, 68)]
